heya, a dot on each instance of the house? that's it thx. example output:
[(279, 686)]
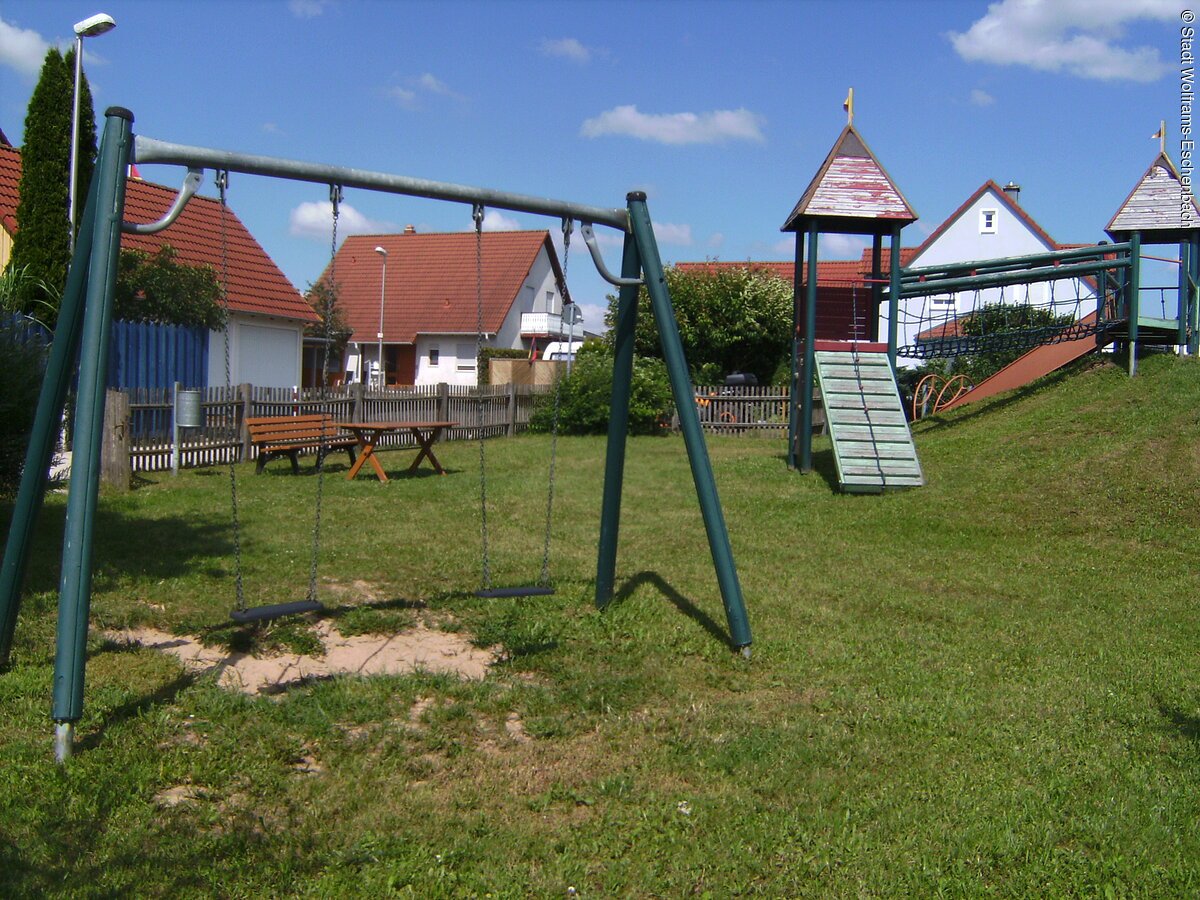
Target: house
[(416, 295), (267, 313), (991, 223)]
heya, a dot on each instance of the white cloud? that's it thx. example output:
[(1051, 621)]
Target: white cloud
[(567, 48), (22, 49), (494, 220), (308, 9), (677, 128), (423, 85), (981, 98), (1073, 36), (716, 241), (666, 233), (271, 128), (830, 246), (315, 220)]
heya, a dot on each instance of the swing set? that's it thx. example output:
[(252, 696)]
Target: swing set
[(81, 340)]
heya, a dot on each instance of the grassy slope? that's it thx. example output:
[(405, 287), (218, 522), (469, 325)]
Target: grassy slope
[(985, 686)]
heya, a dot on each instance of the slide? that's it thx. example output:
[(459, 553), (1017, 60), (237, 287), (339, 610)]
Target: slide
[(1033, 365)]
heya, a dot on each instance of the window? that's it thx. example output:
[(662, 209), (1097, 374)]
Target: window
[(987, 221), (434, 354), (549, 301), (466, 357)]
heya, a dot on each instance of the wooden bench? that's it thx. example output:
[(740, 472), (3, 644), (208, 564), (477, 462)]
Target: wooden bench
[(287, 435)]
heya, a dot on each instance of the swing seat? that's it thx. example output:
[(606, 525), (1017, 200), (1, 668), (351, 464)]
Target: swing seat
[(532, 590), (274, 611)]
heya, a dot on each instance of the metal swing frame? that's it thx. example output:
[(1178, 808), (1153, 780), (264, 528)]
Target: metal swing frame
[(82, 339)]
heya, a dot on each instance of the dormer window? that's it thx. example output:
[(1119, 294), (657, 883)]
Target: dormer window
[(987, 221)]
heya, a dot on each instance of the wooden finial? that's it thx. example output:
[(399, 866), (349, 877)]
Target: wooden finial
[(848, 106), (1161, 134)]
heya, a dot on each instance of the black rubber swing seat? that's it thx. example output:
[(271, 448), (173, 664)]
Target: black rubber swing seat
[(529, 591), (274, 611)]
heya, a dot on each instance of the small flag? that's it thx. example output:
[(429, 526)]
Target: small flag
[(1158, 134)]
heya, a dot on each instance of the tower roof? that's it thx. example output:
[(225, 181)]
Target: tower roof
[(1159, 204), (853, 191)]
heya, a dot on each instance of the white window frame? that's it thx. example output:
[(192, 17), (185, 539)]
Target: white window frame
[(988, 220), (435, 355), (466, 360)]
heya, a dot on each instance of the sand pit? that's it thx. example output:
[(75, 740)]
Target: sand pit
[(418, 649)]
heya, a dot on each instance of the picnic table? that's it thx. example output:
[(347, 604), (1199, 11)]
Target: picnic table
[(369, 433)]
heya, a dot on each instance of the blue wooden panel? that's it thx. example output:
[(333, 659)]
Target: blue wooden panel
[(144, 355)]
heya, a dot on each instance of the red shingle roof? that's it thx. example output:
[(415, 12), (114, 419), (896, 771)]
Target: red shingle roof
[(831, 273), (256, 285), (431, 281)]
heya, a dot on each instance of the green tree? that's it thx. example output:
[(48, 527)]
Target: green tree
[(155, 287), (585, 395), (322, 296), (40, 246), (731, 319)]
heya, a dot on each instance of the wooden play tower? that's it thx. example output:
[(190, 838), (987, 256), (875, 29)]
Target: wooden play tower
[(873, 449)]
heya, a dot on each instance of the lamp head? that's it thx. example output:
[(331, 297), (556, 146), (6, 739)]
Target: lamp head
[(381, 252), (94, 25)]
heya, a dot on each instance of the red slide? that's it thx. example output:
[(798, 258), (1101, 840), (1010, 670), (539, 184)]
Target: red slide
[(1037, 362)]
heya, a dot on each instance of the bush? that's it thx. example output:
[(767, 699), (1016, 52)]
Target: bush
[(585, 395), (24, 355)]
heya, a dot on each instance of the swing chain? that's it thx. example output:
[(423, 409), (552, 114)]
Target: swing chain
[(477, 216), (544, 580), (222, 180)]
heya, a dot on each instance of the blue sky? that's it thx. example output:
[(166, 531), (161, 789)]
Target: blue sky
[(721, 112)]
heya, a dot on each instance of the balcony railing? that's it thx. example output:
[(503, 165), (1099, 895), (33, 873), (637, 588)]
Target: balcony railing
[(543, 323)]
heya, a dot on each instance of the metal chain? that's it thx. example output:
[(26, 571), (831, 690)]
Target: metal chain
[(477, 215), (544, 580), (222, 179), (335, 199)]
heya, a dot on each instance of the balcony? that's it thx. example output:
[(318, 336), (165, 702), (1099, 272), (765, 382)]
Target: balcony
[(543, 325)]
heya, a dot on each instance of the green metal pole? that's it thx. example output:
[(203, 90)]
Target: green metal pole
[(618, 425), (808, 370), (794, 402), (1181, 305), (1135, 268), (894, 298), (75, 586), (689, 422), (1194, 294), (64, 354)]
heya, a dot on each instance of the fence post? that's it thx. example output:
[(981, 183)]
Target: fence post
[(245, 397), (357, 398), (114, 449), (175, 429), (512, 409), (443, 402)]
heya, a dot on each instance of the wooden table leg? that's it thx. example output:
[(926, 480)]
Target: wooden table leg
[(427, 450), (367, 452)]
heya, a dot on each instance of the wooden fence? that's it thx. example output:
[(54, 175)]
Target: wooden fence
[(501, 411)]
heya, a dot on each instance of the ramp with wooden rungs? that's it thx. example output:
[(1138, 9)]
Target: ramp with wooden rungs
[(872, 443)]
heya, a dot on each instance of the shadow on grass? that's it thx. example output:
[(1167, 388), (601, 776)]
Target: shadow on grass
[(1186, 724), (680, 602), (134, 708)]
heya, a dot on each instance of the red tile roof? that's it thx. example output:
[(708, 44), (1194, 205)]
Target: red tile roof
[(431, 281), (256, 285), (831, 273)]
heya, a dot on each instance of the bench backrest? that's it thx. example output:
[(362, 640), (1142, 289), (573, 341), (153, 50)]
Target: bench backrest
[(293, 429)]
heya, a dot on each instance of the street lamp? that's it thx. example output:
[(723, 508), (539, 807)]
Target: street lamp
[(89, 27), (382, 292)]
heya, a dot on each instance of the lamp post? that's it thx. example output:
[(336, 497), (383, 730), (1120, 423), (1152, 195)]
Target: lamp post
[(89, 27), (382, 293)]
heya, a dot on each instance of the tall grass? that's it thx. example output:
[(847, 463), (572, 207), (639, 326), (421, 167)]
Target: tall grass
[(987, 686)]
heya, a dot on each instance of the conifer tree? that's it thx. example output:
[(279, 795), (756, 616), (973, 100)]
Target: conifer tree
[(40, 246)]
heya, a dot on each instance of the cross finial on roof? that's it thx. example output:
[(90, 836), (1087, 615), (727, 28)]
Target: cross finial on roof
[(848, 106), (1161, 135)]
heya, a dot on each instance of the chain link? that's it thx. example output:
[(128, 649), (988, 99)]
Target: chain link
[(222, 179), (544, 579), (477, 215)]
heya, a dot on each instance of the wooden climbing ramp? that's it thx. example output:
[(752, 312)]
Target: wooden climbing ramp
[(872, 443)]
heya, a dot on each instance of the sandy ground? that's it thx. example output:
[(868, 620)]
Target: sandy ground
[(418, 649)]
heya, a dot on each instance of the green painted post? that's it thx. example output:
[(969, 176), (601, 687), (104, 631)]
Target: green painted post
[(808, 370), (894, 298), (794, 402), (689, 422), (1194, 294), (1181, 304), (60, 367), (1135, 287), (76, 581), (618, 425)]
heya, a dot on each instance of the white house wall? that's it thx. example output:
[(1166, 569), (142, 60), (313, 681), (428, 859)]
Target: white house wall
[(263, 352), (965, 240)]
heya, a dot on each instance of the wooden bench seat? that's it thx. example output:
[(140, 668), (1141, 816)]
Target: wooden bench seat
[(276, 436)]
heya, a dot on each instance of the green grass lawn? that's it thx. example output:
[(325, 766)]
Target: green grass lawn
[(987, 686)]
